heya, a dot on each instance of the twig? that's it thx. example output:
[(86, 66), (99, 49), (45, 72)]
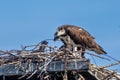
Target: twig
[(32, 74), (113, 64), (98, 56), (23, 75), (45, 65)]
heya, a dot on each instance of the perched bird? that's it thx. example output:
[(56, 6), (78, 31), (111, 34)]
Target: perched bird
[(74, 36), (43, 46)]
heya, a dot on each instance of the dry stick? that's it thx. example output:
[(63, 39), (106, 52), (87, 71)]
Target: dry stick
[(93, 55), (9, 53), (26, 66), (65, 77), (45, 65), (1, 52), (98, 69), (113, 64), (23, 75), (32, 74), (109, 76), (37, 69), (37, 44), (98, 56), (113, 74), (112, 58), (81, 77)]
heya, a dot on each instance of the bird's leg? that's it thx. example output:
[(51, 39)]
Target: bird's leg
[(74, 50), (70, 47), (81, 50)]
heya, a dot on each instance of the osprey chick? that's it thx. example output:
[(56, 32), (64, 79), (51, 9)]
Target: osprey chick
[(73, 36)]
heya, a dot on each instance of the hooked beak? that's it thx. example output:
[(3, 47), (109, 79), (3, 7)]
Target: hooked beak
[(55, 36)]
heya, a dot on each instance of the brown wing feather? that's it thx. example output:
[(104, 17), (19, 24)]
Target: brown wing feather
[(82, 37), (79, 35)]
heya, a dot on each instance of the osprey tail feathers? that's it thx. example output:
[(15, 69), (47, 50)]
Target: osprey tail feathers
[(99, 50)]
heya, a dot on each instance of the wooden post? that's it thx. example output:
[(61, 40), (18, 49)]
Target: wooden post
[(3, 77)]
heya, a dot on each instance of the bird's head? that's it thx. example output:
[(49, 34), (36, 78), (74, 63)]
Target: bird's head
[(60, 32), (44, 42)]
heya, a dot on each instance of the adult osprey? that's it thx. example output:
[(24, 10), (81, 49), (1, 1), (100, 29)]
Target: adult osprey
[(73, 36)]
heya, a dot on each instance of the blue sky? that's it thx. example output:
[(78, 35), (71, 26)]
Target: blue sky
[(26, 22)]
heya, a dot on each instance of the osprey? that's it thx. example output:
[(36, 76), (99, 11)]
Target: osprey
[(73, 36)]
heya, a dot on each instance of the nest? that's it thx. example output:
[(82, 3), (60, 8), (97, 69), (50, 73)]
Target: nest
[(31, 62)]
